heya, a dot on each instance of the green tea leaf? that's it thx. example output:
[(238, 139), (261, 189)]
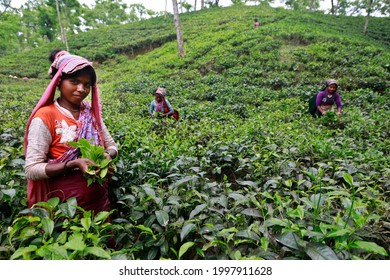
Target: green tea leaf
[(103, 172), (152, 253), (252, 212), (145, 229), (69, 208), (370, 247), (75, 242), (162, 217), (24, 251), (338, 232), (98, 252), (90, 181), (299, 212), (247, 183), (104, 163), (28, 232), (164, 248), (248, 234), (348, 178), (48, 225), (53, 202), (58, 251), (86, 223), (290, 239), (227, 231), (62, 237), (10, 192), (39, 212), (184, 248), (187, 228), (102, 216), (318, 251), (197, 210)]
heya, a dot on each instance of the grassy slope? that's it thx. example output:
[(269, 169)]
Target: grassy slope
[(242, 93)]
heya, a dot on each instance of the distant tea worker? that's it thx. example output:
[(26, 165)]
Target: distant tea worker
[(256, 23), (326, 99), (160, 104)]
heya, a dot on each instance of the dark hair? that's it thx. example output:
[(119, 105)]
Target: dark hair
[(51, 58), (52, 55), (86, 70)]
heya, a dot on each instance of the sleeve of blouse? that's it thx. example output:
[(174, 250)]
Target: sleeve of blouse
[(339, 104), (151, 108), (109, 142), (39, 139)]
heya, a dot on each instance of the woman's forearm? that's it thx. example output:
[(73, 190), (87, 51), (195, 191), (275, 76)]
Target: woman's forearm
[(56, 169)]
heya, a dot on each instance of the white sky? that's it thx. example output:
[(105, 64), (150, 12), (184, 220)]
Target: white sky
[(155, 5)]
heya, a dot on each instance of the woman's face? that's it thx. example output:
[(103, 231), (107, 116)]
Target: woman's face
[(157, 97), (75, 90), (332, 88)]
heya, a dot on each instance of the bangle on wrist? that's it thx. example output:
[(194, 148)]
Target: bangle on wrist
[(108, 153), (66, 167)]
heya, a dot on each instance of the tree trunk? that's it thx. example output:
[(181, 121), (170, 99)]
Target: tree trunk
[(366, 24), (369, 8), (195, 6), (201, 4), (166, 7), (332, 7), (63, 34), (179, 34), (67, 13)]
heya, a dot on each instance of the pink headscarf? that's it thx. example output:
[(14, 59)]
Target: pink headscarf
[(66, 63), (162, 91)]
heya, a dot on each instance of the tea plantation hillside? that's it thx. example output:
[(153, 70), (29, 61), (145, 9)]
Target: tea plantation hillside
[(246, 173)]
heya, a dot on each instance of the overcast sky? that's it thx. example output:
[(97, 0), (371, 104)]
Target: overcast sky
[(155, 5)]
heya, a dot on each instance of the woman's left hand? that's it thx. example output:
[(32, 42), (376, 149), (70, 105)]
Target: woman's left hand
[(111, 169)]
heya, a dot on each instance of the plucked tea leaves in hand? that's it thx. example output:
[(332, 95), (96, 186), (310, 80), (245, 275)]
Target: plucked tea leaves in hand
[(98, 172)]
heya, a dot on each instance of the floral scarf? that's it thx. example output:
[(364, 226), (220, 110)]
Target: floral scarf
[(87, 129)]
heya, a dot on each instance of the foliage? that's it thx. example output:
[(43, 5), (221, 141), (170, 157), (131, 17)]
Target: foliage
[(106, 13), (246, 173), (330, 119), (9, 27), (51, 230), (36, 23)]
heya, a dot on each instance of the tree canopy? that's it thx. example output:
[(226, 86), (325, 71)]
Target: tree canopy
[(37, 22)]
